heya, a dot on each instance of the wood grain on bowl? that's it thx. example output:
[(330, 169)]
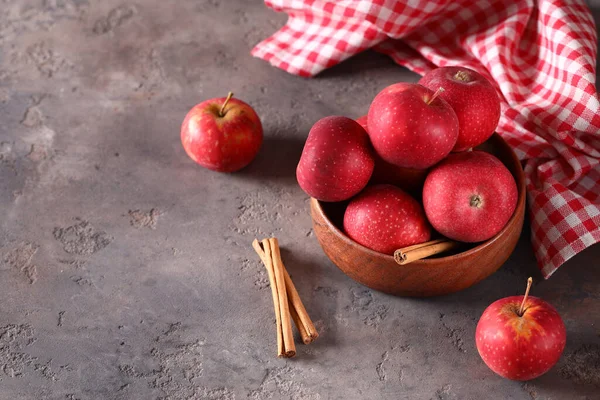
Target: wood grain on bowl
[(428, 277)]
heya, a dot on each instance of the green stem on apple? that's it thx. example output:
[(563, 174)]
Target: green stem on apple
[(521, 309), (222, 111), (436, 94)]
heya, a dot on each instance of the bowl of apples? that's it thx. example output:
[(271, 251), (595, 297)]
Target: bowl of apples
[(424, 164)]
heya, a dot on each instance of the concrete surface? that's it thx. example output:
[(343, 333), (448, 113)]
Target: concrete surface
[(126, 270)]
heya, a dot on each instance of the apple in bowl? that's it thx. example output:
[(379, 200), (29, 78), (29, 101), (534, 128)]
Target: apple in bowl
[(470, 196), (473, 99), (411, 126), (337, 160), (409, 179), (384, 218)]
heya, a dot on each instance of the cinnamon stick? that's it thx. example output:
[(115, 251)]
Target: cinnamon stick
[(267, 260), (306, 339), (422, 250), (306, 323), (289, 348), (424, 244), (298, 312)]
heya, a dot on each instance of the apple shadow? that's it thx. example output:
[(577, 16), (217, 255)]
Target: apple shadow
[(576, 375), (276, 161), (307, 275), (368, 60)]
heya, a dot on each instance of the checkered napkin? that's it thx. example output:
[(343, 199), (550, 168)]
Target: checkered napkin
[(541, 55)]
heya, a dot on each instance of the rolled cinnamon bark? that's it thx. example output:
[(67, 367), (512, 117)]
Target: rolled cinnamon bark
[(268, 261), (304, 322), (298, 312), (289, 348), (422, 250)]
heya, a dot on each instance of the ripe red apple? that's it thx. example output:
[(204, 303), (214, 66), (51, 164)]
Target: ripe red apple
[(222, 134), (337, 160), (408, 179), (470, 196), (384, 218), (520, 343), (410, 126), (362, 121), (473, 99)]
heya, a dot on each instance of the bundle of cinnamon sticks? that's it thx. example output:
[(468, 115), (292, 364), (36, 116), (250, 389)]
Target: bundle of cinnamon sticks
[(286, 300)]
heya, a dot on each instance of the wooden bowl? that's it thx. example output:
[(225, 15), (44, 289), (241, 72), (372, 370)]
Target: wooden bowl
[(428, 277)]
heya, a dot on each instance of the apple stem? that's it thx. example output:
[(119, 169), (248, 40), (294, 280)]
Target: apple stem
[(222, 111), (462, 76), (521, 309), (436, 94)]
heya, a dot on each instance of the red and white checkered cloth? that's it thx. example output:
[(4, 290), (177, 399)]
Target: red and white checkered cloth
[(541, 54)]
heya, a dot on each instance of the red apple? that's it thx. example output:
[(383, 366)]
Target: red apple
[(520, 345), (222, 134), (384, 218), (469, 196), (362, 121), (408, 179), (337, 160), (410, 126), (473, 99)]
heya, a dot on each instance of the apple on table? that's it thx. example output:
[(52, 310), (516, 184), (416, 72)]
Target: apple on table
[(520, 337), (222, 134)]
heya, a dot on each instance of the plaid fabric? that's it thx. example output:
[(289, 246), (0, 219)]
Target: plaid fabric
[(541, 55)]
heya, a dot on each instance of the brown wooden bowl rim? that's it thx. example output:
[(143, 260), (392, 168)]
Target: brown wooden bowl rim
[(520, 179)]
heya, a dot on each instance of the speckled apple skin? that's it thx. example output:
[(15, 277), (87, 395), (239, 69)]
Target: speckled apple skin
[(408, 179), (450, 186), (384, 218), (224, 144), (520, 348), (408, 132), (475, 103), (337, 160), (362, 121)]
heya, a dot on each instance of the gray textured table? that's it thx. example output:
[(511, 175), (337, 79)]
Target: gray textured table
[(126, 270)]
